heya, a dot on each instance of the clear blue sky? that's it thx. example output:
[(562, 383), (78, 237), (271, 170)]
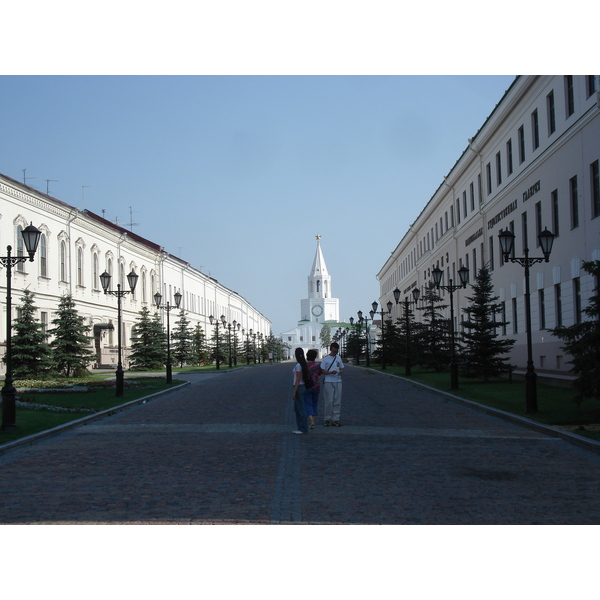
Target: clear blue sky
[(237, 174)]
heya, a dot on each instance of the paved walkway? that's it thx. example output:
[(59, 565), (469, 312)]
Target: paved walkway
[(221, 451)]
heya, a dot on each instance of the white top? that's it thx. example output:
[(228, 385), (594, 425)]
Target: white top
[(298, 367), (332, 363)]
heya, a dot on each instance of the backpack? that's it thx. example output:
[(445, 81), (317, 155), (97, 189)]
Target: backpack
[(313, 376)]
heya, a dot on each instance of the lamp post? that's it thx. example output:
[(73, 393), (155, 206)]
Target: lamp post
[(463, 273), (167, 307), (253, 346), (367, 329), (215, 322), (415, 294), (31, 238), (119, 293), (357, 328), (507, 242), (382, 313), (246, 333)]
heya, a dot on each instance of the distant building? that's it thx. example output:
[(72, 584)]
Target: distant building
[(533, 164), (317, 310), (77, 246)]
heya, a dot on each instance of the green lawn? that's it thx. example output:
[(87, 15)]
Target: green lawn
[(555, 404), (101, 396)]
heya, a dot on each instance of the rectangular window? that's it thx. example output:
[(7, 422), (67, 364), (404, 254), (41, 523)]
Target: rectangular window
[(514, 316), (595, 189), (574, 202), (503, 313), (44, 321), (538, 223), (491, 253), (472, 194), (509, 158), (569, 95), (446, 219), (524, 237), (479, 189), (488, 177), (511, 227), (590, 84), (521, 133), (542, 309), (558, 303), (465, 203), (458, 210), (551, 111), (498, 169), (555, 219), (452, 216), (474, 262), (577, 299), (535, 129)]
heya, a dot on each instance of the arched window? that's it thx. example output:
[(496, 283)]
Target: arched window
[(63, 261), (20, 246), (144, 291), (80, 266), (95, 273), (122, 275), (109, 266), (43, 256), (318, 286)]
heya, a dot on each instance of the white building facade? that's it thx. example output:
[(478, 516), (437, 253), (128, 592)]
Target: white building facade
[(533, 164), (77, 246)]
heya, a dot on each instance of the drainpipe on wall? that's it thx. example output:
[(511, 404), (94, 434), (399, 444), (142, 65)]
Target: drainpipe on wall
[(72, 216)]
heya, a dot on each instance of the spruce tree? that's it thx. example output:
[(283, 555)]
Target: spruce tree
[(182, 340), (148, 342), (484, 355), (583, 342), (432, 333), (31, 357), (200, 351), (325, 336), (70, 345)]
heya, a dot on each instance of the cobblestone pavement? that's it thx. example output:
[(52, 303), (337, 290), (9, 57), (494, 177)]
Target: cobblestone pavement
[(221, 451)]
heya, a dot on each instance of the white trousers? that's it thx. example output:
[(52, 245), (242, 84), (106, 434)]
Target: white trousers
[(332, 400)]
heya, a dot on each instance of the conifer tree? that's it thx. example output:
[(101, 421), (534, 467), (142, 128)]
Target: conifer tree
[(432, 333), (582, 342), (484, 355), (148, 342), (200, 351), (31, 355), (70, 345), (325, 336), (182, 339)]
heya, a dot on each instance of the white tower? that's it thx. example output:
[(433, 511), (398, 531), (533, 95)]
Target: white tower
[(319, 306)]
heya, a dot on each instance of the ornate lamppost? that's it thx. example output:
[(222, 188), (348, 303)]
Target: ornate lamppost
[(31, 238), (132, 279), (463, 273), (167, 307), (357, 329), (215, 322), (507, 242), (365, 320), (415, 294), (382, 313)]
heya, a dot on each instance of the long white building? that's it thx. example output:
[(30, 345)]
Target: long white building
[(77, 246), (533, 164)]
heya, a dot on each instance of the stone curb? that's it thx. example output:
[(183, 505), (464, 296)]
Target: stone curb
[(84, 420), (524, 421)]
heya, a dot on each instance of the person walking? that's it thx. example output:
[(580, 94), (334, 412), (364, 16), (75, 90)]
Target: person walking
[(311, 395), (301, 376), (332, 367)]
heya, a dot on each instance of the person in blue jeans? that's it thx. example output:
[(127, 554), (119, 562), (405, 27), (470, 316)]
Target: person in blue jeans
[(311, 395), (301, 376)]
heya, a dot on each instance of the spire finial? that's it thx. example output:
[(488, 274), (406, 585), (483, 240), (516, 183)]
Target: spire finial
[(318, 236)]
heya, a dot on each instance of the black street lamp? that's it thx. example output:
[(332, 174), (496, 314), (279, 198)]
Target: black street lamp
[(253, 335), (168, 307), (507, 242), (382, 313), (31, 238), (246, 333), (119, 293), (463, 273), (367, 330), (415, 294), (357, 329), (215, 322)]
